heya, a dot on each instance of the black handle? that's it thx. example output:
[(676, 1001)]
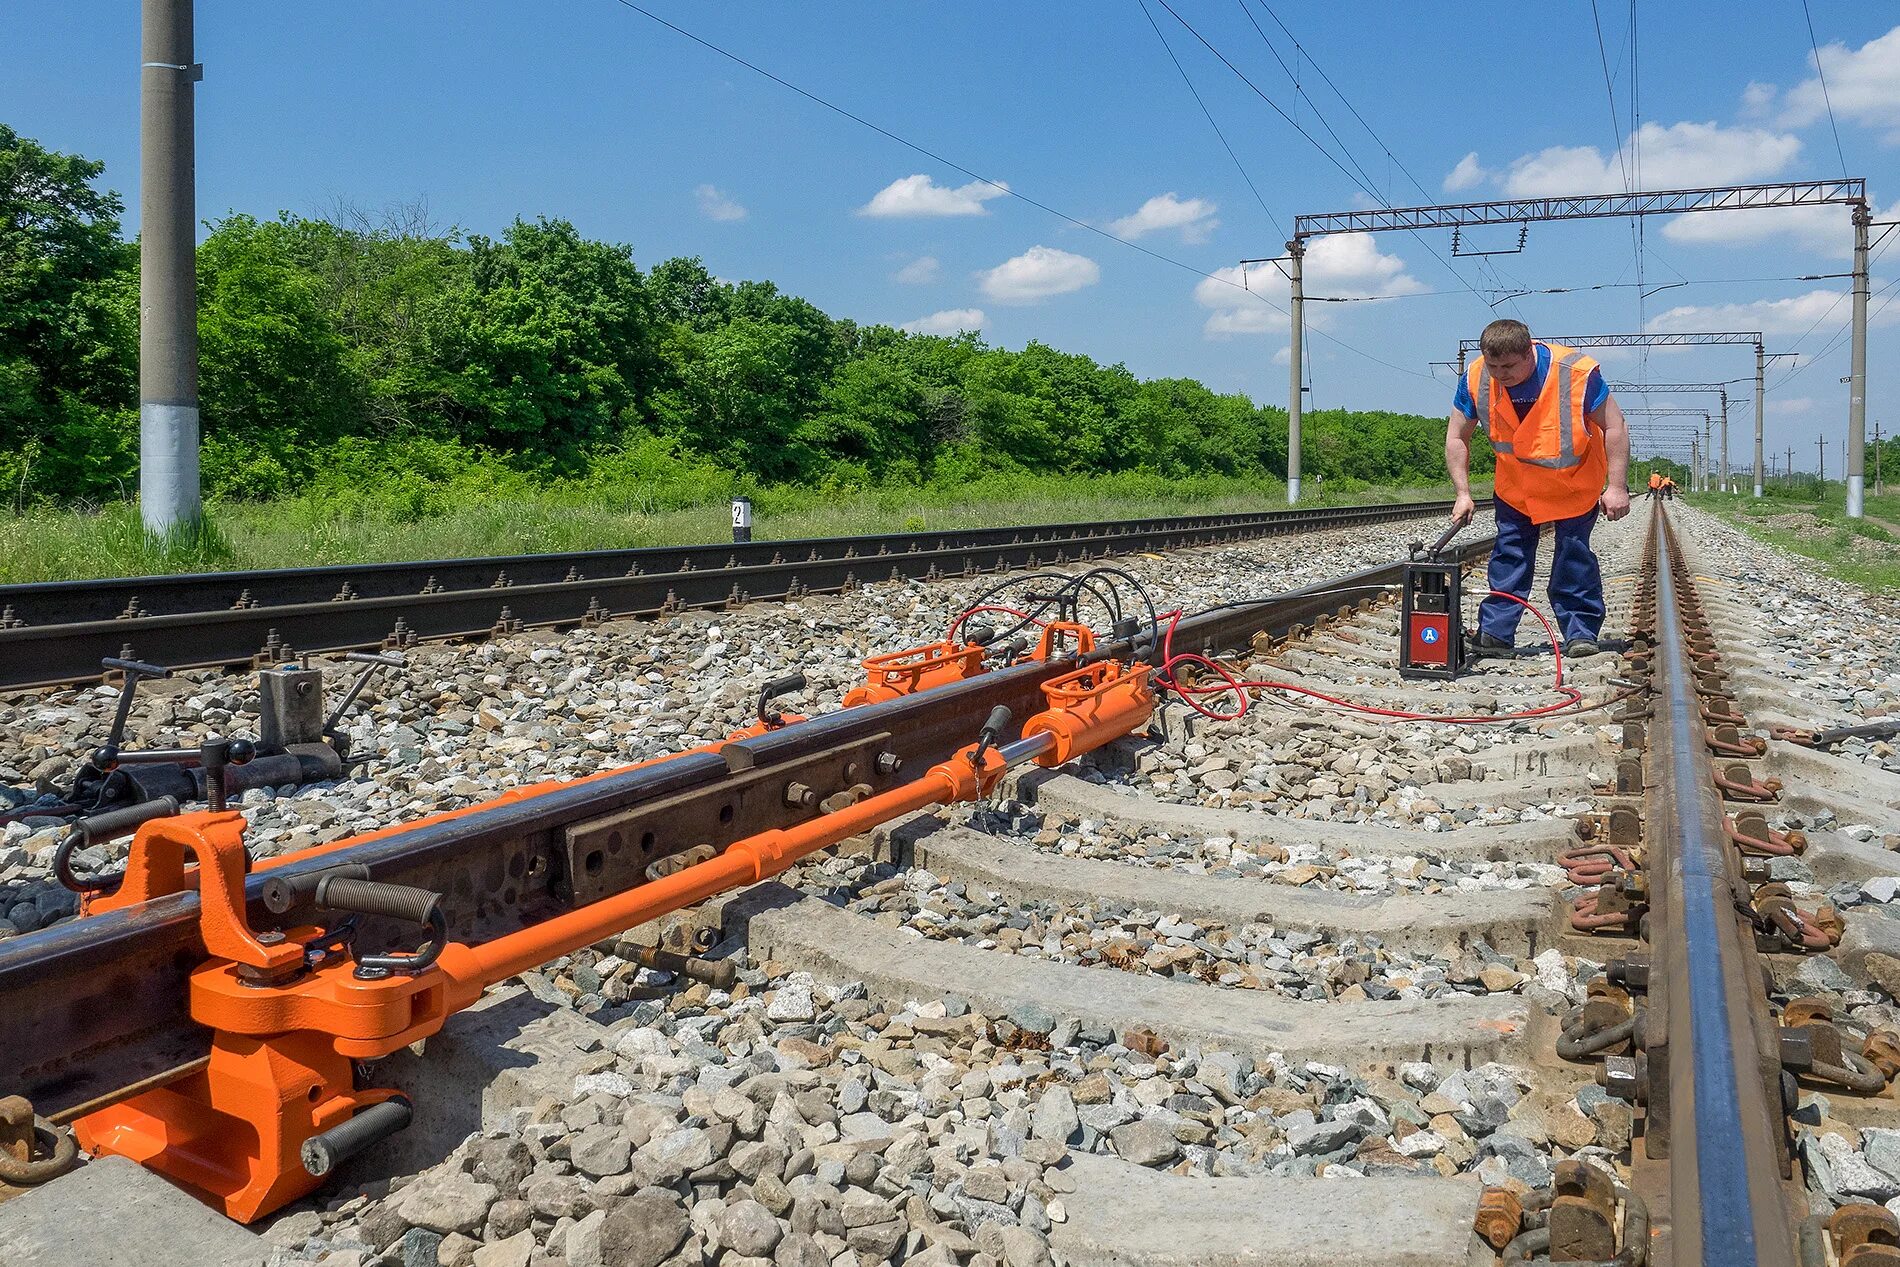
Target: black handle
[(776, 687), (392, 901), (94, 827), (284, 893), (140, 667), (323, 1153), (993, 729), (978, 634), (1444, 539), (354, 895)]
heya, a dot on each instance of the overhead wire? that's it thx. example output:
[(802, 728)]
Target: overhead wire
[(1821, 73), (1364, 186), (1209, 114), (997, 185), (1391, 158)]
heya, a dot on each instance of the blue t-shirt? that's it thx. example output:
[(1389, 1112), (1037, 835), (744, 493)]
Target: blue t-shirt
[(1524, 395)]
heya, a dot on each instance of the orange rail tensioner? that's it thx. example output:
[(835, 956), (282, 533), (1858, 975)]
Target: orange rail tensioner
[(277, 1104)]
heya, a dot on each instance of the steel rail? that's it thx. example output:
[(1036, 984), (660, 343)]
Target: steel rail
[(1712, 1055), (95, 1006), (55, 633)]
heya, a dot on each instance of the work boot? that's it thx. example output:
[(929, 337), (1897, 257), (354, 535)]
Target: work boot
[(1580, 648), (1481, 646)]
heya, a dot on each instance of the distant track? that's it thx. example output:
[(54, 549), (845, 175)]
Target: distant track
[(55, 633)]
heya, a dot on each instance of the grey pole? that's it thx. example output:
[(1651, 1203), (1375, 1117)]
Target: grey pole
[(1296, 252), (1725, 481), (1857, 398), (168, 271), (1760, 367)]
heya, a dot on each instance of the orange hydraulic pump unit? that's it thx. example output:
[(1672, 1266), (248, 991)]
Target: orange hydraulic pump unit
[(276, 1106)]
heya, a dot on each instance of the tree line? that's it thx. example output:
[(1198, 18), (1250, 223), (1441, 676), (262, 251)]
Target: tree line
[(346, 343)]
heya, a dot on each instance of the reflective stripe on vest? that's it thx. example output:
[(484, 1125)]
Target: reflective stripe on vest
[(1567, 457)]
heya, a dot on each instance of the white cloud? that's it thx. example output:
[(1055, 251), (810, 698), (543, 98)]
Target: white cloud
[(716, 206), (1194, 217), (1466, 175), (1770, 316), (1863, 84), (1678, 156), (1038, 273), (1345, 266), (1823, 229), (1757, 97), (949, 321), (1790, 405), (919, 195), (920, 270), (1284, 356)]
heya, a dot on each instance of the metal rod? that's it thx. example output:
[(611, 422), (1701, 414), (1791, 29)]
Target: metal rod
[(168, 277)]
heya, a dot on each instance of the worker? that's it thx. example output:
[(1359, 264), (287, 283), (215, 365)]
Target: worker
[(1669, 489), (1655, 482), (1563, 454)]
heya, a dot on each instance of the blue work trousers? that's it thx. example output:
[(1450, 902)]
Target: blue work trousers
[(1576, 582)]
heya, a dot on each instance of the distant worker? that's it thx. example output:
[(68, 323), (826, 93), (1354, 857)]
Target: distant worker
[(1669, 489), (1655, 482), (1563, 453)]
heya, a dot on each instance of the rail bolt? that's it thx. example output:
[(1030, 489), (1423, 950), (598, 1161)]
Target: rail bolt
[(1625, 1077), (1499, 1215)]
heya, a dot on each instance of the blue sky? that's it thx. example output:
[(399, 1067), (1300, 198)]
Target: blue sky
[(590, 111)]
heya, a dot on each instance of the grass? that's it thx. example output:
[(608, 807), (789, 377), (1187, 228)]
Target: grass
[(49, 544), (1863, 552)]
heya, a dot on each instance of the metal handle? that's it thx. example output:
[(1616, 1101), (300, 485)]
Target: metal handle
[(776, 687), (323, 1153), (391, 901), (140, 667), (284, 893), (993, 729), (95, 827)]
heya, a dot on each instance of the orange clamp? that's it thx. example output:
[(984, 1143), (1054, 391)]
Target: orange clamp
[(894, 674)]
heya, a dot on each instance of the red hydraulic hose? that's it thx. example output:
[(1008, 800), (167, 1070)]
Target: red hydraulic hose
[(1240, 687)]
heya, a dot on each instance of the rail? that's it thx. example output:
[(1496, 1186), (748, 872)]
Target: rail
[(55, 633)]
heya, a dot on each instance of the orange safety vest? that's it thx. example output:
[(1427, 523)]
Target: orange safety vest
[(1655, 480), (1550, 465)]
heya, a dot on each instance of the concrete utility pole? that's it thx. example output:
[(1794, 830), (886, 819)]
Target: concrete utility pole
[(1820, 443), (1857, 391), (1879, 485), (1296, 256), (1787, 472), (1725, 482), (168, 270), (1760, 387)]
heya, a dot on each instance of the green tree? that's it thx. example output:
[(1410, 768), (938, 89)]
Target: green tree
[(549, 344), (68, 327)]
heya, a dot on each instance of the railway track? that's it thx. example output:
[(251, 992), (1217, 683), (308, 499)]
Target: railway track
[(58, 632), (1285, 988)]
